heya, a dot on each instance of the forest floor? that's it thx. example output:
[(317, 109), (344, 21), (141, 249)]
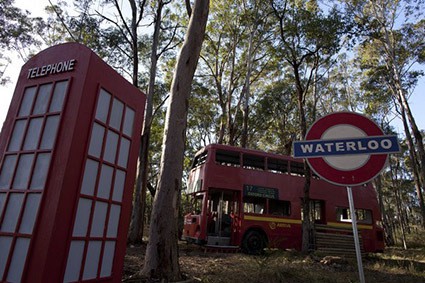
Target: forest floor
[(394, 265)]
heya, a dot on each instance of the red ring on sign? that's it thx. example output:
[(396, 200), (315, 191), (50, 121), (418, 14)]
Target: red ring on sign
[(355, 177)]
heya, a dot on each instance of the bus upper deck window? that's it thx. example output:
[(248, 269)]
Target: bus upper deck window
[(297, 168), (200, 159), (277, 165), (253, 162), (229, 158)]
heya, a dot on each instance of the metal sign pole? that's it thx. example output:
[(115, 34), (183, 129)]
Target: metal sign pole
[(355, 235)]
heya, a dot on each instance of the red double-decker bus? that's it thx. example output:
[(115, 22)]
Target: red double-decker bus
[(251, 200)]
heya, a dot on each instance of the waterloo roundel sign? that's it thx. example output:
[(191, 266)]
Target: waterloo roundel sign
[(346, 148)]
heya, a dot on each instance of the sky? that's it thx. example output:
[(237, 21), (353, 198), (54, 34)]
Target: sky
[(36, 7)]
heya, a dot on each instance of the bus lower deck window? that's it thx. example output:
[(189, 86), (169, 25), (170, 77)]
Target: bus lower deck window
[(279, 207), (254, 205), (362, 215)]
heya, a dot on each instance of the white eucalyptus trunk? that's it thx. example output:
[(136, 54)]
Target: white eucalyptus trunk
[(161, 259)]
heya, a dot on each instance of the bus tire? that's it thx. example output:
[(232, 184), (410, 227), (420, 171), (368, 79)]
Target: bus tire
[(254, 242)]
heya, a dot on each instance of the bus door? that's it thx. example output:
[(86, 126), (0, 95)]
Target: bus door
[(223, 207)]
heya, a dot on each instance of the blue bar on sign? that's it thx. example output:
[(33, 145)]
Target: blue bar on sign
[(366, 145)]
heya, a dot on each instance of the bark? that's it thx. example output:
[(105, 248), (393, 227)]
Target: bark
[(415, 165), (418, 139), (389, 239), (134, 43), (229, 91), (246, 92), (139, 205), (306, 226), (396, 68), (296, 60), (394, 170), (161, 259)]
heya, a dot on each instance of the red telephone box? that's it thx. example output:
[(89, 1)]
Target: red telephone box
[(68, 154)]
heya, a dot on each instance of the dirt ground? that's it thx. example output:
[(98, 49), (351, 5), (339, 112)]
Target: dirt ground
[(285, 266)]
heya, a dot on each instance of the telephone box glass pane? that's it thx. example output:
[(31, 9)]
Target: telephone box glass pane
[(33, 134), (89, 179), (108, 259), (111, 147), (17, 135), (18, 260), (12, 213), (73, 264), (7, 171), (40, 171), (114, 217), (92, 260), (42, 99), (128, 121), (82, 218), (26, 105), (116, 115), (102, 109), (98, 222), (124, 149), (58, 96), (30, 212), (96, 140), (105, 182), (49, 133), (118, 185), (23, 171), (5, 243)]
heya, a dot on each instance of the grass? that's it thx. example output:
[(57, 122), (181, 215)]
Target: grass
[(394, 265), (289, 266)]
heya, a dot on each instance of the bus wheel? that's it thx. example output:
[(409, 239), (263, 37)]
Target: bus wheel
[(253, 243)]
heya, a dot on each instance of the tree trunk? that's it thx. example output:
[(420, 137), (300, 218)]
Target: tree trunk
[(389, 239), (306, 226), (230, 120), (139, 204), (400, 217), (161, 259), (415, 165), (246, 92), (418, 139), (134, 43), (396, 187), (400, 95)]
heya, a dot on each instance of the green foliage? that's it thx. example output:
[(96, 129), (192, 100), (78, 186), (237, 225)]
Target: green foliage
[(274, 118), (17, 34), (16, 26)]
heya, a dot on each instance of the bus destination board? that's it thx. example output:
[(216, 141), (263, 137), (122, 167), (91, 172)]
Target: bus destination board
[(262, 192)]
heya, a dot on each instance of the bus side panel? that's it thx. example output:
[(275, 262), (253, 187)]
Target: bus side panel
[(285, 236), (280, 233), (373, 240)]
